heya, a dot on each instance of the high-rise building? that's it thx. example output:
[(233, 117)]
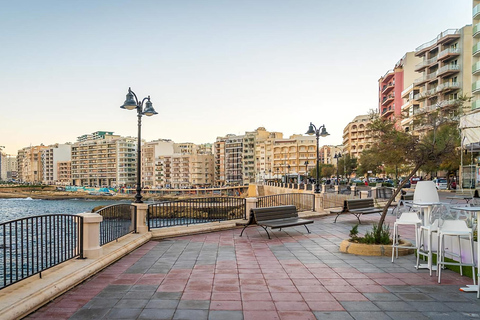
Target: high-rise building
[(50, 158), (357, 136), (29, 164), (104, 159), (445, 72), (391, 85), (234, 160), (327, 154), (290, 155), (476, 55)]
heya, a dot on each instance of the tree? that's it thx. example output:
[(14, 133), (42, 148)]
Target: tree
[(439, 140), (325, 170), (347, 165)]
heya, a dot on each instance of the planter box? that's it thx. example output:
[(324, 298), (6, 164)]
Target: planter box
[(373, 249)]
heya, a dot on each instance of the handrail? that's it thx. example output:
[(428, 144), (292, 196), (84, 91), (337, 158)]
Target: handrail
[(118, 221), (31, 245), (440, 36)]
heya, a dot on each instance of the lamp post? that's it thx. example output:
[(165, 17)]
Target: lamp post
[(306, 171), (337, 156), (312, 129), (132, 102)]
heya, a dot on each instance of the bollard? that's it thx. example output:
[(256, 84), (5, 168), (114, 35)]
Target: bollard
[(142, 209), (250, 204)]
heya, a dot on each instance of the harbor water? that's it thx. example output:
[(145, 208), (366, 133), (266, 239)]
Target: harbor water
[(11, 209)]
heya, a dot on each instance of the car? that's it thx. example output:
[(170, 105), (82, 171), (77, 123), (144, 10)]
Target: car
[(407, 184), (358, 181), (441, 183)]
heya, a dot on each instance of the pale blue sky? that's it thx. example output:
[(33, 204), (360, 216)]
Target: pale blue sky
[(211, 67)]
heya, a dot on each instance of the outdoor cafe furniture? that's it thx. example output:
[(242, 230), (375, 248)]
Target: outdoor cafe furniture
[(406, 218)]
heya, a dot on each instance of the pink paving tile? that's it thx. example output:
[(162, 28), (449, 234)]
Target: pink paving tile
[(276, 276), (291, 306), (258, 305), (352, 275), (249, 270), (226, 288), (125, 281), (327, 275), (260, 315), (379, 275), (282, 288), (272, 270), (252, 281), (226, 305), (198, 287), (325, 306), (196, 295), (243, 276), (361, 282), (171, 288), (256, 296), (279, 282), (227, 276), (254, 288), (334, 282), (311, 289), (175, 282), (226, 296), (222, 281), (296, 315), (341, 289), (345, 296), (153, 276), (318, 296), (286, 296)]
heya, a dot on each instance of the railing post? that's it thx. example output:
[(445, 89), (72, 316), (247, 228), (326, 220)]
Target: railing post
[(354, 190), (91, 235), (324, 188), (374, 192), (141, 223), (337, 189), (250, 204), (318, 206)]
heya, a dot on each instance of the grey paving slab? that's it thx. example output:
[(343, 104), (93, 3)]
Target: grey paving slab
[(167, 295), (378, 315), (101, 303), (138, 295), (451, 315), (124, 313), (156, 314), (90, 314), (131, 303), (190, 314), (394, 306), (407, 315), (225, 315), (337, 315), (162, 304), (381, 296), (414, 296), (359, 306), (194, 304)]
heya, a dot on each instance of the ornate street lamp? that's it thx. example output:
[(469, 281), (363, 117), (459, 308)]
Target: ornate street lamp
[(312, 130), (337, 156), (131, 102)]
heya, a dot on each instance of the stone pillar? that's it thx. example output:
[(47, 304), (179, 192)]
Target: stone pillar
[(251, 204), (354, 190), (374, 192), (324, 188), (337, 189), (319, 202), (142, 209), (91, 235)]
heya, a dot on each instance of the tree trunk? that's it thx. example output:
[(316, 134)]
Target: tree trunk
[(392, 198)]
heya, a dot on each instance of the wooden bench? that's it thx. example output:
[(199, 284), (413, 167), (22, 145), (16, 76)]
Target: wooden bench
[(275, 218), (357, 207)]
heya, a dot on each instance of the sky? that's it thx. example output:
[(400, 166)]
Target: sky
[(211, 67)]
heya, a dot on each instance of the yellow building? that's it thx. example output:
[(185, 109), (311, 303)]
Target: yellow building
[(357, 136)]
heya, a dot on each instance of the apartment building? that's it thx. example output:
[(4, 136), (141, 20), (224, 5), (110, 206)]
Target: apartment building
[(234, 160), (219, 158), (201, 170), (357, 136), (264, 153), (392, 84), (50, 158), (3, 165), (327, 154), (29, 164), (104, 159), (64, 172), (11, 164), (445, 72), (290, 156), (476, 55)]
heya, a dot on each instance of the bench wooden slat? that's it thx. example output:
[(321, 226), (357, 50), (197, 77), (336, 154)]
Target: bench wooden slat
[(357, 207)]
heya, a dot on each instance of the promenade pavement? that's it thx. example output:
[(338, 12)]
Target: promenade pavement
[(295, 275)]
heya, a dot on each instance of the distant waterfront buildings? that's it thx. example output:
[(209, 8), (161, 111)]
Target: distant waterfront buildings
[(357, 136)]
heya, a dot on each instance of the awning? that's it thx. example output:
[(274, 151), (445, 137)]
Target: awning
[(470, 131)]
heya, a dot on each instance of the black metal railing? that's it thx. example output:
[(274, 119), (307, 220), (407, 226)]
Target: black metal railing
[(118, 220), (31, 245), (303, 201), (196, 210)]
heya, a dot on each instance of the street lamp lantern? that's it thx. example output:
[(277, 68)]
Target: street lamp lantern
[(132, 102), (320, 132), (337, 156)]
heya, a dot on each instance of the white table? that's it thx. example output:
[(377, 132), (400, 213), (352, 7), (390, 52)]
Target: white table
[(427, 210), (474, 211)]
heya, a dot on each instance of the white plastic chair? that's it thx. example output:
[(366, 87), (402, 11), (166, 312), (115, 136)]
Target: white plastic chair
[(406, 218), (459, 230)]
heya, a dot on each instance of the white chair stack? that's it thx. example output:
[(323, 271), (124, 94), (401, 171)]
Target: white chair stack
[(406, 218)]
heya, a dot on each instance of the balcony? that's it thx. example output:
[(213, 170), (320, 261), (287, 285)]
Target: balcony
[(388, 75), (476, 104), (425, 63), (388, 87), (443, 38), (424, 79), (476, 68), (448, 53), (448, 86), (476, 31), (387, 111), (476, 50), (386, 100), (476, 11), (476, 87), (448, 70)]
